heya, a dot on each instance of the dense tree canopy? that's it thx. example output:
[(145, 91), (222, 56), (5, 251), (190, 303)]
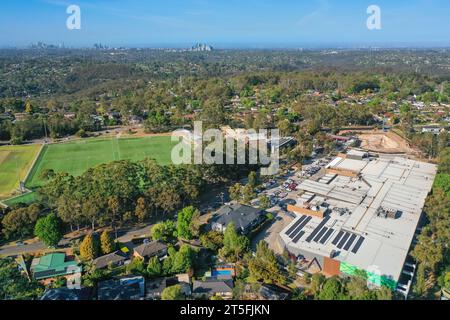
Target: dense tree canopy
[(187, 224), (234, 245), (432, 252), (164, 231), (48, 230), (14, 285), (264, 266), (154, 267), (89, 247), (20, 222), (107, 243), (173, 293)]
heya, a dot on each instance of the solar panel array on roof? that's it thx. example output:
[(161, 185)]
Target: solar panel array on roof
[(349, 242), (338, 237), (300, 227), (297, 238), (341, 243), (317, 229), (44, 273), (320, 234), (358, 244), (326, 236), (344, 240), (352, 202), (295, 225)]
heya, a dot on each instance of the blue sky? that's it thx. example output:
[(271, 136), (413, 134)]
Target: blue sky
[(226, 22)]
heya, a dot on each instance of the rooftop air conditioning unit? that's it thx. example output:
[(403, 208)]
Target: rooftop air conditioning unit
[(387, 213)]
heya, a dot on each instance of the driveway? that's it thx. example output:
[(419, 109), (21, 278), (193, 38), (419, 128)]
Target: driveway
[(271, 232)]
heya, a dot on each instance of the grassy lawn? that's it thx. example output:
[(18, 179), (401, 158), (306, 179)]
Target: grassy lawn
[(76, 157), (26, 198), (15, 161)]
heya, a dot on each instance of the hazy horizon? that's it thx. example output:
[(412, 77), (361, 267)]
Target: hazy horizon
[(242, 46), (227, 24)]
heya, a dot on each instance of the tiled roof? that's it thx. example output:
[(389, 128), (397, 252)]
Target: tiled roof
[(213, 286), (150, 249), (125, 288), (241, 215), (114, 257)]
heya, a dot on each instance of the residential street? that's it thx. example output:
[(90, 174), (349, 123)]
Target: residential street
[(16, 250), (124, 237)]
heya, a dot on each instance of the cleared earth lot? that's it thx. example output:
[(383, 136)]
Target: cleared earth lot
[(385, 142)]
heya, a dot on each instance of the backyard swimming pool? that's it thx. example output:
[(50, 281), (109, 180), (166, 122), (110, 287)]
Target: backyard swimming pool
[(223, 272)]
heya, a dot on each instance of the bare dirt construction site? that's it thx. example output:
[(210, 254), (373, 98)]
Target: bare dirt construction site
[(385, 142)]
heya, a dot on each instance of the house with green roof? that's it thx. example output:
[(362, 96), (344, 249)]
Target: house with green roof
[(53, 265)]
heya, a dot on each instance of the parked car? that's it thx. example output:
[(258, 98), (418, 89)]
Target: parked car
[(284, 203), (282, 195), (290, 214), (273, 201)]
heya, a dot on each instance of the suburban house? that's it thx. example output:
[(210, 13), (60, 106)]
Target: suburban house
[(53, 265), (113, 115), (124, 288), (70, 115), (155, 287), (6, 116), (150, 249), (272, 292), (213, 287), (114, 259), (98, 119), (20, 116), (135, 120), (245, 218), (67, 294), (184, 280), (434, 129)]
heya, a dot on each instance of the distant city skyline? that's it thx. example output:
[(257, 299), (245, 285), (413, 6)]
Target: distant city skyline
[(227, 23)]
